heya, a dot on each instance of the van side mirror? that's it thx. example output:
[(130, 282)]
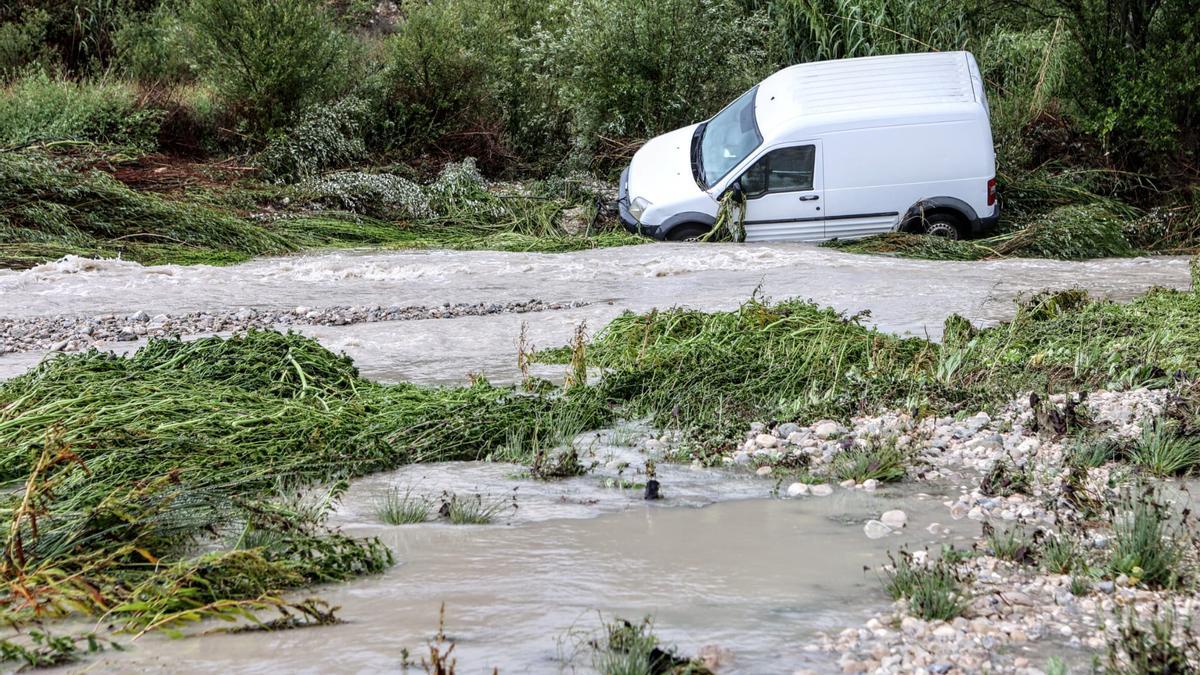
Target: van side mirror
[(735, 188)]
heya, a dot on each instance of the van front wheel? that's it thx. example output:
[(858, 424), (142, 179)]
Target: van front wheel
[(687, 232)]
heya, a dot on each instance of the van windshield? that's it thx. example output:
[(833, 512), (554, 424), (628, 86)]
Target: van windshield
[(728, 138)]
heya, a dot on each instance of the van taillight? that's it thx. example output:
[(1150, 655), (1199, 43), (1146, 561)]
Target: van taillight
[(991, 191)]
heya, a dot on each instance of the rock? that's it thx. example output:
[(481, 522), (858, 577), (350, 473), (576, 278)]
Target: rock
[(848, 483), (959, 511), (945, 632), (741, 457), (894, 519), (763, 471), (786, 429), (870, 484), (1105, 586), (828, 429), (796, 438), (139, 316), (797, 489), (59, 346), (821, 490), (766, 441), (876, 530)]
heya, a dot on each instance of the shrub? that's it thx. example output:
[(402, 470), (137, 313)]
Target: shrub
[(473, 509), (1010, 544), (326, 136), (23, 43), (154, 47), (268, 58), (39, 107), (629, 69), (380, 195), (437, 75), (1060, 554)]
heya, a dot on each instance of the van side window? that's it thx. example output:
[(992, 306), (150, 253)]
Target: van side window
[(782, 170)]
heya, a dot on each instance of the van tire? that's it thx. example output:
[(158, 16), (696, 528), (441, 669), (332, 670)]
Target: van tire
[(942, 225), (687, 232)]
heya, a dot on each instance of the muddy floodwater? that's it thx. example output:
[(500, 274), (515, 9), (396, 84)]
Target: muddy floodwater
[(904, 296), (721, 561)]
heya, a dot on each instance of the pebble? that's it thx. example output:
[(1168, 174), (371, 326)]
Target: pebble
[(797, 489), (876, 530), (763, 471), (870, 485), (821, 490), (894, 519)]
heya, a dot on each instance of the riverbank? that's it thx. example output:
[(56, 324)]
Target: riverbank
[(175, 455)]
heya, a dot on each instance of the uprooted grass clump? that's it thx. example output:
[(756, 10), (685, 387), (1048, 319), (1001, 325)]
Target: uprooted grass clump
[(1072, 232), (707, 373), (193, 479), (1163, 644), (50, 208)]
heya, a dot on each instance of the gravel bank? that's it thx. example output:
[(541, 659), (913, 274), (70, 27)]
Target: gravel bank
[(74, 333), (1018, 613)]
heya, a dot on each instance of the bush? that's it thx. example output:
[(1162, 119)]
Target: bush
[(39, 107), (23, 43), (154, 47), (267, 59), (326, 136), (437, 76), (630, 69), (1141, 64), (379, 195)]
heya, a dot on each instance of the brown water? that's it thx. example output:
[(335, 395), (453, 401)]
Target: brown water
[(903, 296), (759, 577)]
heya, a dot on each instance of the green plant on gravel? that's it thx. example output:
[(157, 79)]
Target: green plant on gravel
[(934, 591), (1164, 451), (1060, 554), (1149, 540), (1091, 452), (402, 508), (1005, 479), (880, 460), (1161, 645), (1011, 544)]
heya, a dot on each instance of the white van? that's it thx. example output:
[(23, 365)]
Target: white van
[(833, 149)]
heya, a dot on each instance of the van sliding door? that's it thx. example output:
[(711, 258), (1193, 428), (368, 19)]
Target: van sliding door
[(784, 195)]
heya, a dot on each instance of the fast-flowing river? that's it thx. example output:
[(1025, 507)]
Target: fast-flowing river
[(719, 562)]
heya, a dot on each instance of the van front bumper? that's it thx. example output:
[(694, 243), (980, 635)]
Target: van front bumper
[(627, 218)]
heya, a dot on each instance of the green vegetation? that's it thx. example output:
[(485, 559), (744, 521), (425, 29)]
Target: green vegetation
[(706, 373), (933, 591), (1093, 115), (396, 508), (625, 648), (1011, 544), (474, 509), (1164, 644), (1149, 542), (881, 461), (167, 487), (1164, 451)]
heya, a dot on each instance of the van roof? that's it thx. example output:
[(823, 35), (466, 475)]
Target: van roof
[(866, 88)]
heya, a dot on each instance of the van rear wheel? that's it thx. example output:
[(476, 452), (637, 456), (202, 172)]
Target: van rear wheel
[(944, 226), (687, 232)]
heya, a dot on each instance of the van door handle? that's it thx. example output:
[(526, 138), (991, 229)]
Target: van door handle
[(810, 198)]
